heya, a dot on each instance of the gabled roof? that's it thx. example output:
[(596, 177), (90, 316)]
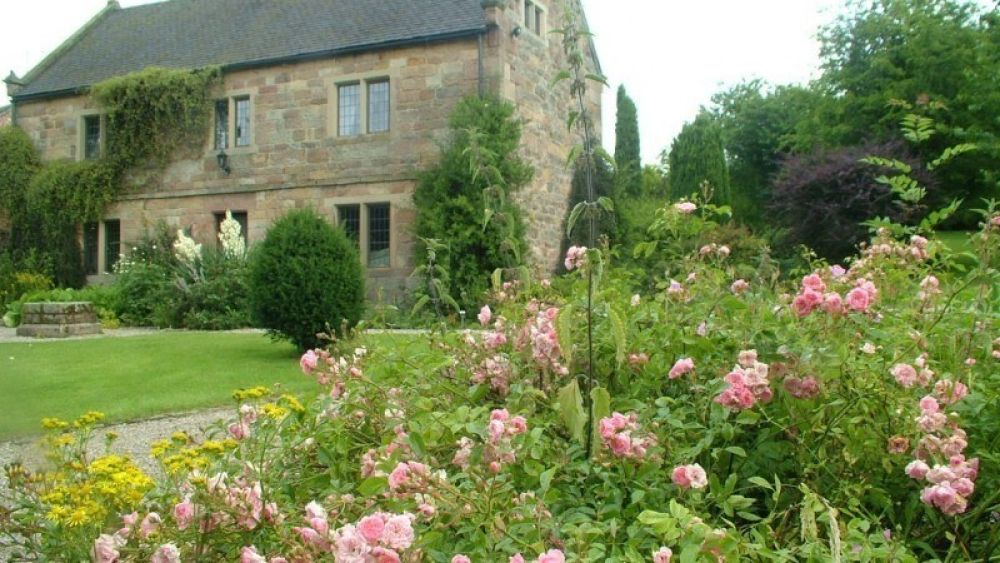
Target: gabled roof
[(242, 34)]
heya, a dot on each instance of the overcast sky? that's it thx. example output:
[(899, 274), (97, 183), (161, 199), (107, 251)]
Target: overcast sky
[(672, 55)]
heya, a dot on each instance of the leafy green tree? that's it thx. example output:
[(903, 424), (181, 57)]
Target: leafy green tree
[(758, 122), (696, 156), (927, 52), (628, 179), (465, 201)]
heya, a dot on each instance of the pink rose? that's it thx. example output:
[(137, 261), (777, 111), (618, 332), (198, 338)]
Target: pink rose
[(308, 362), (689, 476), (460, 559), (485, 315), (833, 304), (663, 555), (681, 367), (575, 257), (249, 555), (371, 528), (517, 558), (858, 299), (917, 469), (184, 514), (150, 524), (315, 510), (399, 476), (905, 374), (398, 533), (518, 425), (167, 554), (929, 404), (105, 549), (621, 444), (814, 282), (552, 556), (739, 287)]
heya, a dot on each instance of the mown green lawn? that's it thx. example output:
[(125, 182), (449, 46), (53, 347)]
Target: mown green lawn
[(137, 377), (957, 241)]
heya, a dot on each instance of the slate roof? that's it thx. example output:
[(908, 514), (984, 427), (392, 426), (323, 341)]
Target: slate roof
[(242, 33)]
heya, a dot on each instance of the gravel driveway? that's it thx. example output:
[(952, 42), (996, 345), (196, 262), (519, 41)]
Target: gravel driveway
[(134, 439)]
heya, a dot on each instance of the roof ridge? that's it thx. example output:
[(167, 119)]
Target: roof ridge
[(68, 44)]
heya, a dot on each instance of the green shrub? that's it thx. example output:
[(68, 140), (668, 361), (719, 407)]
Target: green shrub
[(216, 298), (304, 276), (479, 169)]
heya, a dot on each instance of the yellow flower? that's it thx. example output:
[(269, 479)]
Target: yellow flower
[(159, 448), (77, 518), (273, 411), (89, 419), (54, 424), (180, 437), (64, 440), (213, 447), (252, 393), (293, 402)]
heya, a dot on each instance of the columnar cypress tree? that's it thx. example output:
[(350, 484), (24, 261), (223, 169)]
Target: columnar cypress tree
[(628, 181), (696, 156)]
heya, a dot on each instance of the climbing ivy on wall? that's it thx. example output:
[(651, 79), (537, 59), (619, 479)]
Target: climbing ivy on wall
[(150, 116), (153, 113)]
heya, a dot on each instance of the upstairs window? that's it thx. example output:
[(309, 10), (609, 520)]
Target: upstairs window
[(233, 123), (91, 137), (378, 106), (221, 124), (534, 17), (349, 109), (363, 107), (242, 121)]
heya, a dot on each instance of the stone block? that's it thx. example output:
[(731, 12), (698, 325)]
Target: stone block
[(57, 331)]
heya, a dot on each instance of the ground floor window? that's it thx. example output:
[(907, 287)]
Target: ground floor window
[(91, 244), (102, 246), (112, 244), (369, 225)]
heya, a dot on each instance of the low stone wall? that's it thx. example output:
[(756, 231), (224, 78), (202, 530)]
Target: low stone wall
[(58, 320)]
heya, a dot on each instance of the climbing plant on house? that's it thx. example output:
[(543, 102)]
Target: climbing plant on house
[(150, 115)]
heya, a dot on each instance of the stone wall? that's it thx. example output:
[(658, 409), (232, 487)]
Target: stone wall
[(296, 158), (522, 68)]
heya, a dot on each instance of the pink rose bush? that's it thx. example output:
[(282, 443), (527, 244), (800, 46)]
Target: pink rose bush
[(747, 383), (622, 435), (814, 294), (699, 423)]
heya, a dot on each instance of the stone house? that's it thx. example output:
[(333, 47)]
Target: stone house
[(334, 104)]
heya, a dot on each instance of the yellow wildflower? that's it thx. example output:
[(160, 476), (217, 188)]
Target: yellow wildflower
[(252, 393), (54, 424), (273, 411)]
